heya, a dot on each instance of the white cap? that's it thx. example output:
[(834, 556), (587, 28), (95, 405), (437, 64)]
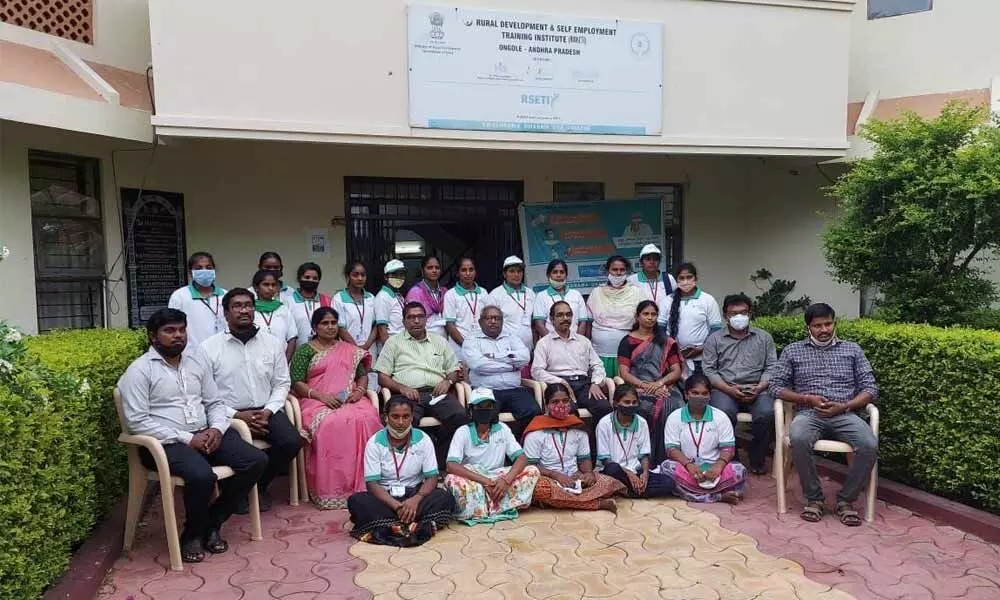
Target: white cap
[(482, 395), (394, 265), (512, 261), (650, 249)]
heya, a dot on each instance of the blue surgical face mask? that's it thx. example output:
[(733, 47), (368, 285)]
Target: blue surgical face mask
[(204, 277)]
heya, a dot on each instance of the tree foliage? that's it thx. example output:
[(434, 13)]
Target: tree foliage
[(919, 217), (773, 301)]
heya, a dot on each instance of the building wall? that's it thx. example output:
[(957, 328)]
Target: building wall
[(747, 76), (243, 197), (949, 48)]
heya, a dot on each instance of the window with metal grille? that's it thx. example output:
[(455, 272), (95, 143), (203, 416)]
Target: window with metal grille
[(878, 9), (69, 19), (577, 191), (68, 236), (673, 223)]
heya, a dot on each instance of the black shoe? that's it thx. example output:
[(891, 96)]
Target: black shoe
[(213, 542)]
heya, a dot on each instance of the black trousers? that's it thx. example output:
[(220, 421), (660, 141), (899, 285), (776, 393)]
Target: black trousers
[(598, 408), (195, 468), (285, 444), (519, 402), (449, 411), (658, 485)]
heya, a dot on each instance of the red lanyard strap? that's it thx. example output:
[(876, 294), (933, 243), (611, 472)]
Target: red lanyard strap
[(472, 305), (402, 461), (697, 443), (631, 442), (562, 452)]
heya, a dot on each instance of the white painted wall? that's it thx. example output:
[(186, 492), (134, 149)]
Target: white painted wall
[(121, 35), (949, 48), (243, 197), (764, 75)]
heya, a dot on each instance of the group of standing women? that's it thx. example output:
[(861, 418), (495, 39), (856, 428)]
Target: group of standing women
[(647, 328)]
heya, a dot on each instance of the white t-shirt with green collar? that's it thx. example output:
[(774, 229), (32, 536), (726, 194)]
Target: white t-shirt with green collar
[(463, 307), (416, 463), (468, 450), (700, 440), (623, 445), (549, 296), (389, 309), (205, 315)]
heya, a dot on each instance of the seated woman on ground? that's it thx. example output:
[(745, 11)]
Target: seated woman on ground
[(557, 443), (485, 490), (403, 506), (700, 449), (623, 448), (329, 376), (651, 361)]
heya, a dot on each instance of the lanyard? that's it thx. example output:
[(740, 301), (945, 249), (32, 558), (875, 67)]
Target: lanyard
[(653, 288), (697, 443), (562, 452), (309, 306), (472, 305), (267, 318), (402, 461), (523, 305), (360, 308), (435, 295), (625, 450), (215, 311)]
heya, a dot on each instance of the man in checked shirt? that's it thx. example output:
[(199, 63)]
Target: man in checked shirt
[(829, 380)]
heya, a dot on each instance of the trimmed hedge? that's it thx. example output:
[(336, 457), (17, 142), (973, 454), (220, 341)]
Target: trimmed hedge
[(60, 466), (939, 399)]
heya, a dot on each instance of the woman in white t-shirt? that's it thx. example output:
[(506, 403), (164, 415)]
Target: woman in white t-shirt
[(516, 300), (304, 300), (270, 314), (557, 272), (201, 301), (356, 307), (558, 445), (462, 306), (485, 490), (694, 314), (402, 505), (701, 449), (624, 446)]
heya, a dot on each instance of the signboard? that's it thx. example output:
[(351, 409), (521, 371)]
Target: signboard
[(155, 250), (585, 234), (506, 71)]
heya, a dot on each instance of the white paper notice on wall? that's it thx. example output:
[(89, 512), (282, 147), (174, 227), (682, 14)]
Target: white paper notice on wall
[(319, 243), (536, 73)]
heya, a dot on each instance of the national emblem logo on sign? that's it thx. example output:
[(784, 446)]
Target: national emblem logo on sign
[(437, 21)]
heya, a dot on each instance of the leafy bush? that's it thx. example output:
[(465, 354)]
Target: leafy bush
[(939, 400), (58, 468), (774, 301)]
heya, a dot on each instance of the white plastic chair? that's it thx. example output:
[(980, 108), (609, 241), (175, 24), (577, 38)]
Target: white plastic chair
[(783, 415), (293, 403), (139, 476), (293, 470)]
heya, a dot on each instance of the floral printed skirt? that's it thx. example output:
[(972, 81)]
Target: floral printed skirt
[(473, 505)]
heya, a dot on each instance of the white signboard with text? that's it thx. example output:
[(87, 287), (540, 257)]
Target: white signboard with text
[(502, 71)]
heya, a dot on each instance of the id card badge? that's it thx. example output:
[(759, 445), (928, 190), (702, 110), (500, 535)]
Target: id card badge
[(397, 491)]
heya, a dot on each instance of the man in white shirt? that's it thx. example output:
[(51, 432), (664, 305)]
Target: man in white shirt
[(495, 359), (201, 301), (168, 395), (564, 356), (251, 371)]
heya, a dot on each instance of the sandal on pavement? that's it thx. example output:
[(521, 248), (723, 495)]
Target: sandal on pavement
[(192, 552), (731, 497), (813, 512), (214, 543), (847, 515)]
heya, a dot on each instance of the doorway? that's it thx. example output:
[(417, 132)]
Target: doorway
[(409, 218)]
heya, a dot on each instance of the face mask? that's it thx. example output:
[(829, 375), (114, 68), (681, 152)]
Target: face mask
[(818, 343), (617, 280), (309, 286), (559, 411), (485, 416), (395, 282), (697, 403), (168, 351), (203, 277), (627, 411), (399, 434), (739, 322), (556, 285), (687, 286)]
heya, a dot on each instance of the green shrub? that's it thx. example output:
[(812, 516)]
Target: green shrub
[(939, 399), (59, 467)]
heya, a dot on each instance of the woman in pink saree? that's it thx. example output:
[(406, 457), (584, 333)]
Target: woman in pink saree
[(330, 376)]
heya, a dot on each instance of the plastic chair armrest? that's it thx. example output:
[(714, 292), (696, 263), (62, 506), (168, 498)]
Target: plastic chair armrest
[(241, 428), (460, 392), (373, 398), (618, 380), (873, 416), (155, 448)]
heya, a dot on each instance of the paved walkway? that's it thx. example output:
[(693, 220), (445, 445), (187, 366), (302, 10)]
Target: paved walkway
[(651, 549)]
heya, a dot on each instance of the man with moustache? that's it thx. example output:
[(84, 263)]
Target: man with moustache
[(168, 395)]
